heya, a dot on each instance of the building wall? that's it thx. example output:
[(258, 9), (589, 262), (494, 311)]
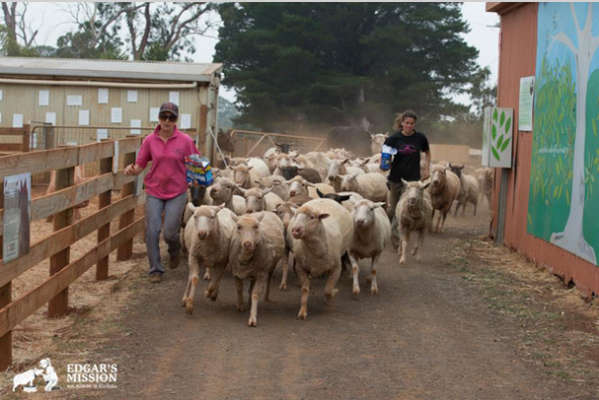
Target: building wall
[(517, 59), (23, 99)]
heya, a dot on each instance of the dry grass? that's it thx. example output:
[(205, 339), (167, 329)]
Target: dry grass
[(559, 328)]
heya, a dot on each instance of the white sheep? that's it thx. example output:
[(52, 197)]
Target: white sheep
[(260, 200), (412, 213), (372, 232), (372, 185), (486, 178), (223, 190), (285, 211), (444, 189), (256, 248), (207, 237), (376, 142), (322, 231), (469, 189)]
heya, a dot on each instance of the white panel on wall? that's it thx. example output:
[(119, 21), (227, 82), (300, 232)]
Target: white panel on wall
[(74, 100), (132, 96), (43, 98), (51, 118), (17, 120), (101, 133), (185, 121), (135, 123), (154, 114), (116, 115), (84, 117), (173, 97), (102, 96), (1, 94)]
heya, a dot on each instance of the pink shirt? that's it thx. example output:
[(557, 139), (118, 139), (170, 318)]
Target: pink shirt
[(166, 178)]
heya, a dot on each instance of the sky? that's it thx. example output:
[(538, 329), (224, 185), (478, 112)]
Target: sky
[(53, 20)]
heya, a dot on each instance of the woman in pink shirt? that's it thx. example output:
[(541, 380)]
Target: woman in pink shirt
[(166, 186)]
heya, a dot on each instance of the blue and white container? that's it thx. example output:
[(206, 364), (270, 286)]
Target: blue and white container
[(386, 155)]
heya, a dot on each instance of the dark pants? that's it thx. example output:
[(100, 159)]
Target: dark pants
[(395, 190)]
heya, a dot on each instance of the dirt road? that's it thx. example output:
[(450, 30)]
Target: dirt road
[(436, 330)]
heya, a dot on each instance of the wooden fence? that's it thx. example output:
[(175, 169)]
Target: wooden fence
[(14, 140), (63, 271)]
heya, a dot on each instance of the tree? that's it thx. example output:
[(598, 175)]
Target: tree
[(343, 63), (15, 29), (572, 238), (154, 31)]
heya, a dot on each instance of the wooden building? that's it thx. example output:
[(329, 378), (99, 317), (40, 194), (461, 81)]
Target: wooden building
[(97, 98), (546, 205)]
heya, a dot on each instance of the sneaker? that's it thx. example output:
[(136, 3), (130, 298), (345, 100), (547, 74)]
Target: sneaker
[(174, 260), (156, 277)]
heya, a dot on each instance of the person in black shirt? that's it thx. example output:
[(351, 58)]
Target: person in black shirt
[(404, 146)]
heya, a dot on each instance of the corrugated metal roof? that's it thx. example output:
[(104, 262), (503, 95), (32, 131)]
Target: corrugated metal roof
[(76, 67)]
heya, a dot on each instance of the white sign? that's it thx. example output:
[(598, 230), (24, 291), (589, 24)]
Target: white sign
[(154, 114), (101, 133), (115, 158), (17, 215), (116, 115), (44, 97), (92, 376), (84, 117), (488, 111), (17, 120), (0, 117), (500, 140), (51, 118), (173, 97), (525, 104), (1, 94), (185, 121), (74, 100), (135, 123), (102, 96), (132, 96)]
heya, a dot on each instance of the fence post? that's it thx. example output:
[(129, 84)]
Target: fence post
[(5, 298), (58, 306), (125, 251), (26, 140), (105, 199)]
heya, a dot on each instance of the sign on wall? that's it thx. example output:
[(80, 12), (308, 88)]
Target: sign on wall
[(17, 214), (497, 137), (525, 103), (564, 176)]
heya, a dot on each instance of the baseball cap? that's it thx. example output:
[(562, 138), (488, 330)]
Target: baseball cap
[(169, 107)]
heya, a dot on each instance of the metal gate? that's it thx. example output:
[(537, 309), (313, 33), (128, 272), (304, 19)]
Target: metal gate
[(253, 143)]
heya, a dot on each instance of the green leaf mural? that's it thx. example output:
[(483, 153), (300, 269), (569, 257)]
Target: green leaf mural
[(495, 115), (505, 144), (493, 132), (495, 153), (502, 119), (508, 125)]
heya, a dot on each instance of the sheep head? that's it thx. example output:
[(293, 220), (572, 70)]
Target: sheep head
[(414, 194), (307, 222), (254, 200), (363, 213), (250, 236), (205, 220)]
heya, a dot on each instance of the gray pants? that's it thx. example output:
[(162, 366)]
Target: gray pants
[(395, 190), (173, 211)]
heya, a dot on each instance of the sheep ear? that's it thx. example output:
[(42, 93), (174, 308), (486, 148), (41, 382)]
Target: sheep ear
[(424, 185), (320, 194), (249, 168), (259, 183), (322, 216), (238, 191), (260, 217), (405, 183), (378, 204), (309, 184), (345, 161), (191, 207), (234, 217), (221, 206), (344, 197)]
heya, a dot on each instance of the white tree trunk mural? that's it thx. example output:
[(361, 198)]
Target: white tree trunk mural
[(572, 238)]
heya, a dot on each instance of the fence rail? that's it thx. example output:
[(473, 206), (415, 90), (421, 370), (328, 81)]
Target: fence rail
[(247, 143), (63, 271)]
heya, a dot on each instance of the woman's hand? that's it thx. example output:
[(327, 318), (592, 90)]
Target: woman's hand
[(132, 169)]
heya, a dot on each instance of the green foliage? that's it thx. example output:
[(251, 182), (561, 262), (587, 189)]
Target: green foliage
[(296, 64), (552, 150), (500, 145)]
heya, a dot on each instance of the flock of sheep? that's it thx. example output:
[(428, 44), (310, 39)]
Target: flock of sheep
[(317, 214)]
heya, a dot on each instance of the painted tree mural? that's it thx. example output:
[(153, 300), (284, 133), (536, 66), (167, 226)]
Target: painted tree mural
[(566, 57)]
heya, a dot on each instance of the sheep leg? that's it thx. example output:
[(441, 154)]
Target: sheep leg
[(305, 281), (329, 288), (212, 290), (258, 287), (374, 288), (418, 244), (355, 272), (269, 277), (405, 238), (192, 283), (286, 266), (206, 276), (239, 288)]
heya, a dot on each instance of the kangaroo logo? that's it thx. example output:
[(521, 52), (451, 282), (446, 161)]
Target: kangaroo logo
[(27, 379)]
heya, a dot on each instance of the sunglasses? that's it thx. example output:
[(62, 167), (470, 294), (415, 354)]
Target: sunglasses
[(169, 117)]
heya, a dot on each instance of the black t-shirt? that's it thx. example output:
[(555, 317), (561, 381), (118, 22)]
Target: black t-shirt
[(406, 162)]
